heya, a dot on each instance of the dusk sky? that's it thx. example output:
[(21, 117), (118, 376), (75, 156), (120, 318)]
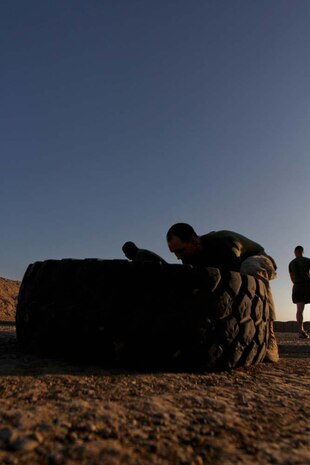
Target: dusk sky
[(120, 118)]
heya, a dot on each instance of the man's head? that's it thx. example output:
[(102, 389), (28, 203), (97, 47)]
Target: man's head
[(184, 242), (299, 251), (130, 250)]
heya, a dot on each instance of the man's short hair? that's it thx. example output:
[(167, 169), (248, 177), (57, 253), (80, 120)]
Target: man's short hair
[(182, 230), (129, 247), (299, 248)]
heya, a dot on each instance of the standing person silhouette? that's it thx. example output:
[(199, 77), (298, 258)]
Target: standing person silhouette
[(299, 270)]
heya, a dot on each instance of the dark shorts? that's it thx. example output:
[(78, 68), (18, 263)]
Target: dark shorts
[(301, 293)]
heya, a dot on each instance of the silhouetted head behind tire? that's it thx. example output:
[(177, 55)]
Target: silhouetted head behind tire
[(143, 315)]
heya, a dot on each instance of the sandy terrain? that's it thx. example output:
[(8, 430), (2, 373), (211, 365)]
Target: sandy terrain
[(59, 412), (8, 298)]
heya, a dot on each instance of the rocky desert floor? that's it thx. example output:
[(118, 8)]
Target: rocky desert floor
[(63, 413)]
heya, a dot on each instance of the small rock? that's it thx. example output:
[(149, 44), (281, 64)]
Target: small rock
[(10, 460), (24, 444), (43, 426), (197, 460), (7, 434)]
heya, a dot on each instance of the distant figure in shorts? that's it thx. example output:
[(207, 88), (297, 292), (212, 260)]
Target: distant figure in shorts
[(299, 270), (133, 253)]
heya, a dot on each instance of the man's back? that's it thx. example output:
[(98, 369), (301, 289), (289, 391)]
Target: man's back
[(144, 255), (136, 254), (227, 249), (299, 269)]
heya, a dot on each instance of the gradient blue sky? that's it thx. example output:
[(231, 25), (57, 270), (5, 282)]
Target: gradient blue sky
[(120, 118)]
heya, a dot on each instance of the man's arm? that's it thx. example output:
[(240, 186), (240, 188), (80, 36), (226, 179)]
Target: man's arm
[(292, 274)]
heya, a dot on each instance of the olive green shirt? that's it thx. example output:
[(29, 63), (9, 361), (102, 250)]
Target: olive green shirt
[(226, 250)]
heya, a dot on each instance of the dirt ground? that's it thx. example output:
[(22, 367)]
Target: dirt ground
[(63, 413)]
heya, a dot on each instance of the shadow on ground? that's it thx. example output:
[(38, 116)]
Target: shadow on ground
[(16, 363)]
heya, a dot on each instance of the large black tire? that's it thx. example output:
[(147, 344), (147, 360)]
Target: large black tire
[(143, 315)]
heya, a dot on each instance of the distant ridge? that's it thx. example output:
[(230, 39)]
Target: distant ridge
[(8, 298)]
